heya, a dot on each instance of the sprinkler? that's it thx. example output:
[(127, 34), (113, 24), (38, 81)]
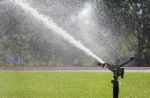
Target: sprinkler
[(118, 71)]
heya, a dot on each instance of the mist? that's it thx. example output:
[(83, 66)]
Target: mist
[(39, 46)]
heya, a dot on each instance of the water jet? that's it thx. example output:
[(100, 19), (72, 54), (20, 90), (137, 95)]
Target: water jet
[(51, 25)]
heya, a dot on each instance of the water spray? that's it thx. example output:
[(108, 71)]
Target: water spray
[(117, 69), (55, 28)]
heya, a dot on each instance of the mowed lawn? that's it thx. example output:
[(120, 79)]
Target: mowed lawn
[(71, 85)]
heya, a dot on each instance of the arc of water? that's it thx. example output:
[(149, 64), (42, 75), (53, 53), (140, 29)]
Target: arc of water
[(52, 26)]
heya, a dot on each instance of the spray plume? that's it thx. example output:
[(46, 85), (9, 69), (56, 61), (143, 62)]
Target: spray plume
[(53, 27)]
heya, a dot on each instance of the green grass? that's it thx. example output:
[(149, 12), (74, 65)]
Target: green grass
[(71, 85)]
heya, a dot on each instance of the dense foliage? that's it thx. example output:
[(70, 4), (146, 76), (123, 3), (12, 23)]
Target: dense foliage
[(131, 20)]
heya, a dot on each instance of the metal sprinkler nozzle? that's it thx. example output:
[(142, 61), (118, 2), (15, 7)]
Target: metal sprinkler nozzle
[(117, 71)]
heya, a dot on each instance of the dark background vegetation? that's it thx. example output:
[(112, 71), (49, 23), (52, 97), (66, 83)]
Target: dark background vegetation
[(22, 42)]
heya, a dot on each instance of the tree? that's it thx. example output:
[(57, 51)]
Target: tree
[(131, 18)]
